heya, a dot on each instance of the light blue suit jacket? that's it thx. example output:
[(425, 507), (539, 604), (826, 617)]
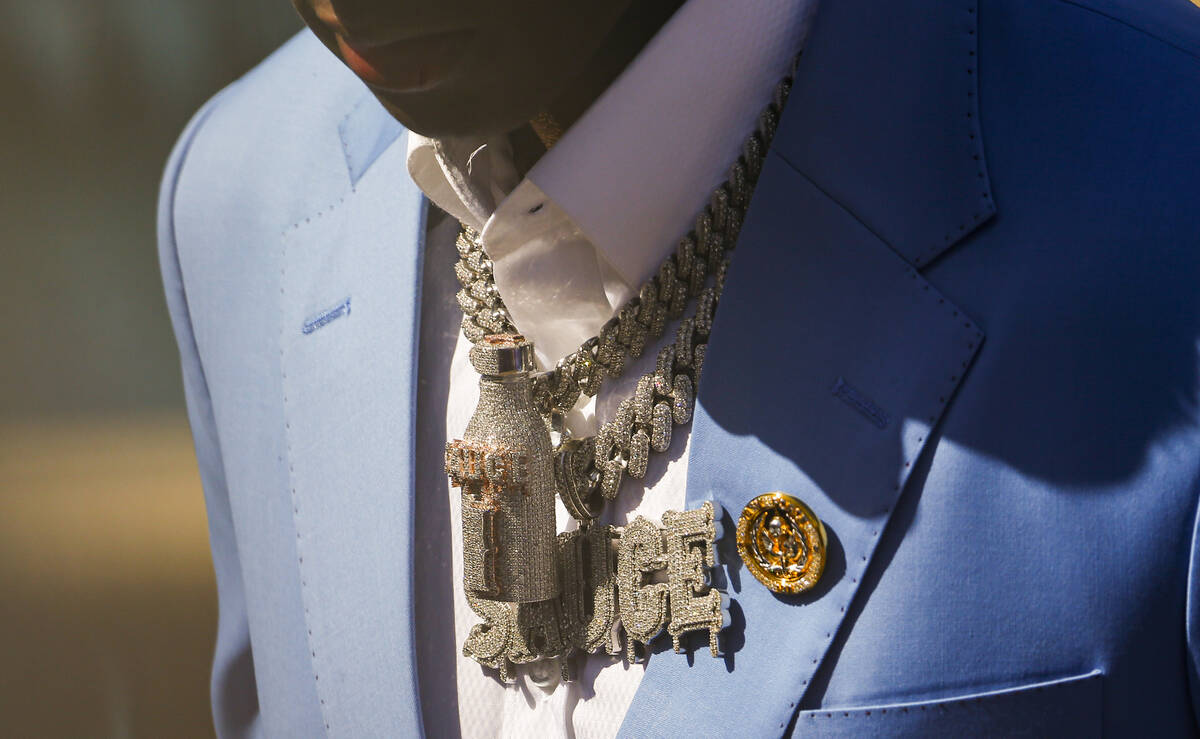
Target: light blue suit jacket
[(1012, 519)]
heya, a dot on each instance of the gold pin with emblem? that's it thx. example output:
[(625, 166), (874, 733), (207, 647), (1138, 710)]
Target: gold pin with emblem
[(782, 543)]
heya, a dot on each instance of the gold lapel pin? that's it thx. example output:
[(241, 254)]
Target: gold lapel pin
[(782, 543)]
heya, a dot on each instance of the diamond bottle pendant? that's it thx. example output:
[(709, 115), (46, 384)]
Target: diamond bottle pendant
[(504, 466)]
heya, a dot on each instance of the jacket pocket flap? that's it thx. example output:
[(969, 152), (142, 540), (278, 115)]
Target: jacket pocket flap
[(1064, 707)]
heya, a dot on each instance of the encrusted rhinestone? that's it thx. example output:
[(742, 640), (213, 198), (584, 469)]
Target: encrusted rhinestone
[(610, 354), (681, 399), (667, 280), (685, 257), (465, 243), (739, 185), (484, 291), (678, 300), (466, 303), (606, 442), (700, 352), (664, 372), (696, 278), (658, 320), (639, 454), (610, 479), (627, 322), (719, 281), (463, 273), (566, 390), (660, 427), (473, 331), (623, 421), (704, 227), (781, 93), (543, 400), (767, 123), (719, 205), (734, 229), (643, 400), (648, 302), (706, 305), (716, 252), (637, 339), (752, 151), (587, 374), (491, 320), (479, 263), (683, 343)]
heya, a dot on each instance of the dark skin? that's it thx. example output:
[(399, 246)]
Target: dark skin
[(473, 67)]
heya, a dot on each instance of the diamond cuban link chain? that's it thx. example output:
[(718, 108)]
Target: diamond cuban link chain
[(590, 470)]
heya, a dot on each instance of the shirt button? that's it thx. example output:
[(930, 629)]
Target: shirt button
[(782, 543)]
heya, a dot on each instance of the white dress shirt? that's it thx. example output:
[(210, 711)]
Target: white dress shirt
[(571, 242)]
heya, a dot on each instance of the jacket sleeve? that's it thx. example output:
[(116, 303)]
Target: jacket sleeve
[(234, 695)]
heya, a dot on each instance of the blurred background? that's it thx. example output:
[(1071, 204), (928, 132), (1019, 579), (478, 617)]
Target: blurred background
[(107, 604)]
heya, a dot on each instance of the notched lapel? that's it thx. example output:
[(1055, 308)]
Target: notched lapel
[(350, 297), (366, 132), (831, 360)]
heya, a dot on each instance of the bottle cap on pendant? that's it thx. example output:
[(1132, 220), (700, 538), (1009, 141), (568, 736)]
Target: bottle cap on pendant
[(502, 354)]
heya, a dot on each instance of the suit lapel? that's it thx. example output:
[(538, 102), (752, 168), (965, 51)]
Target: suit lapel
[(832, 358), (366, 132), (350, 306)]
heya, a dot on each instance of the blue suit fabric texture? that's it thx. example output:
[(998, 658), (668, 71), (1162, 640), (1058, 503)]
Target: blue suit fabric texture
[(961, 324)]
